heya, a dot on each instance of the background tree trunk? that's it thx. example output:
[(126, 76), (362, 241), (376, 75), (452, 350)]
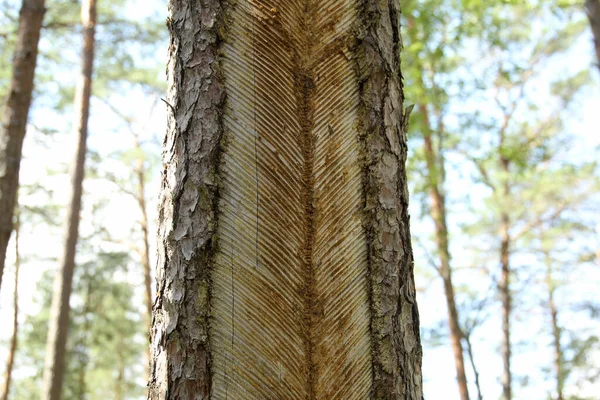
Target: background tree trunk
[(593, 11), (504, 285), (59, 319), (15, 334), (437, 204), (145, 251), (14, 116), (556, 330), (284, 207)]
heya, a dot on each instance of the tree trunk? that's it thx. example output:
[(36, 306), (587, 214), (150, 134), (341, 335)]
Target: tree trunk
[(84, 342), (145, 252), (15, 334), (556, 331), (119, 382), (473, 365), (59, 319), (437, 203), (14, 116), (593, 11), (285, 269), (504, 286)]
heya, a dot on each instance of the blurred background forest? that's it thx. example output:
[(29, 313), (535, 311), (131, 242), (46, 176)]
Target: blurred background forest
[(503, 171)]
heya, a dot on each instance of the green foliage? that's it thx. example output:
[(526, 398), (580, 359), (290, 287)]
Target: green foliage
[(105, 336), (491, 85)]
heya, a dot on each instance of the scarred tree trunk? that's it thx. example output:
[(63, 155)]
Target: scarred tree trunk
[(285, 267), (593, 11), (13, 340), (14, 116), (59, 318)]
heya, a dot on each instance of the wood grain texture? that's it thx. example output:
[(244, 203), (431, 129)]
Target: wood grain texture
[(290, 297)]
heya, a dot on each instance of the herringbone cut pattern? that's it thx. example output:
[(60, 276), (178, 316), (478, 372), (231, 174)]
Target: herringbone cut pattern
[(290, 294)]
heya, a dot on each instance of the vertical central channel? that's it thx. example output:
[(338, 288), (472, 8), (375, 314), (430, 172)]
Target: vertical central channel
[(305, 89)]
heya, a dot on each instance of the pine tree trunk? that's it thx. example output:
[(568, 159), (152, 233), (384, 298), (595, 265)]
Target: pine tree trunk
[(14, 116), (285, 269), (438, 213), (593, 11), (15, 334), (59, 318)]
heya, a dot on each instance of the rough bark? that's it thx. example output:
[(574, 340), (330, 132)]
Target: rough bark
[(593, 11), (285, 268), (54, 366), (437, 203), (14, 116), (504, 286), (394, 315), (13, 340)]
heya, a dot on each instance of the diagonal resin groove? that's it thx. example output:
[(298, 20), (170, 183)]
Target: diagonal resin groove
[(290, 300)]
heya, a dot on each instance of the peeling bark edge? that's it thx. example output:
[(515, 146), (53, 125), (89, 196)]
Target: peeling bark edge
[(188, 207), (395, 337)]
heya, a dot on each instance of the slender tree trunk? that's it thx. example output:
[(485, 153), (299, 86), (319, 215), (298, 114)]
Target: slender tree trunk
[(83, 344), (285, 268), (59, 319), (593, 11), (15, 334), (504, 286), (146, 249), (14, 116), (473, 365), (556, 331), (145, 252), (119, 382), (437, 203)]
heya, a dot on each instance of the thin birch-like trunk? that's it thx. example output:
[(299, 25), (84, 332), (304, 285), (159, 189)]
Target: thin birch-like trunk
[(14, 116), (54, 366), (285, 268)]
